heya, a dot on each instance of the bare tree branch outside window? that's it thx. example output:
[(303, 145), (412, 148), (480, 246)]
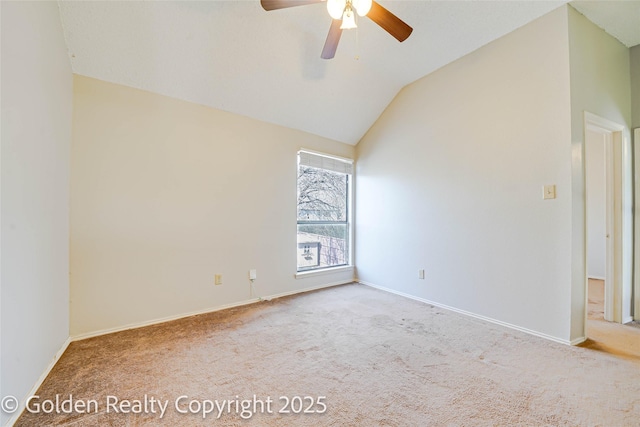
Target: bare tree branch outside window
[(322, 218)]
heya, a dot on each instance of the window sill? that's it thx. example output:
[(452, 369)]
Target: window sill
[(320, 272)]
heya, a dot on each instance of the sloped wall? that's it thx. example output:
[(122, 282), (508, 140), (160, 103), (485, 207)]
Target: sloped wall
[(450, 180)]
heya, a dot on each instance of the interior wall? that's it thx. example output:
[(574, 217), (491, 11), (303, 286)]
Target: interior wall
[(635, 86), (596, 205), (165, 194), (36, 103), (600, 84), (451, 176)]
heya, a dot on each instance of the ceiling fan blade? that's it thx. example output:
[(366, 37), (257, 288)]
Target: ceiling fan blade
[(282, 4), (331, 44), (389, 22)]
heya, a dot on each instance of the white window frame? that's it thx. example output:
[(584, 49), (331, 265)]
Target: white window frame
[(350, 216)]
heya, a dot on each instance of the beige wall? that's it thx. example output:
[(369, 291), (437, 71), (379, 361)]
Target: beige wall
[(36, 137), (165, 194), (600, 84), (450, 180), (635, 86)]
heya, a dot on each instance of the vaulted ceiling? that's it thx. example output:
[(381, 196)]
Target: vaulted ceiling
[(235, 56)]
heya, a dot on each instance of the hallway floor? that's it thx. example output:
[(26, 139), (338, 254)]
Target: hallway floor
[(609, 337)]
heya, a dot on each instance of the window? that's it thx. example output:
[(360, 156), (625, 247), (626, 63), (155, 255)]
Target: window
[(324, 211)]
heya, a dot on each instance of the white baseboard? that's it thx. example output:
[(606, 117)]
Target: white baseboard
[(39, 382), (578, 340), (156, 321), (301, 291), (136, 325), (627, 320), (468, 313)]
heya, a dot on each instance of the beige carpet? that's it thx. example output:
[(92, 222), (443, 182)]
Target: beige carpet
[(380, 360)]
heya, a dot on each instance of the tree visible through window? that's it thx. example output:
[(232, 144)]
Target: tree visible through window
[(323, 212)]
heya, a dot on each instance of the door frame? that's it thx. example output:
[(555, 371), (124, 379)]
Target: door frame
[(636, 264), (619, 246), (610, 276)]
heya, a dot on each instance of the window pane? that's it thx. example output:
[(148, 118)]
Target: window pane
[(322, 195), (322, 246)]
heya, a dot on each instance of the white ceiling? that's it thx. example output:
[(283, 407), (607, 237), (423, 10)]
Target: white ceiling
[(234, 56)]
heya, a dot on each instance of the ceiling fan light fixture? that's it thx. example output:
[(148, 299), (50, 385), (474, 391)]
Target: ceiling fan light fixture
[(362, 6), (343, 18), (348, 20), (336, 8)]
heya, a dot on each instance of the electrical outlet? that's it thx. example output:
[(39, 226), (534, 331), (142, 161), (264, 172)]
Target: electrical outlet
[(218, 279), (420, 274), (252, 274)]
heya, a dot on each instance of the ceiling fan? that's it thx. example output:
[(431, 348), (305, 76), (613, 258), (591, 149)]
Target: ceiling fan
[(342, 14)]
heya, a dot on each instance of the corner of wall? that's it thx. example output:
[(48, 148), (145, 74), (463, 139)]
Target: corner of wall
[(600, 84), (439, 145), (36, 138)]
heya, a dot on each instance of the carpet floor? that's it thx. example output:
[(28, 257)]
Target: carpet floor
[(344, 356)]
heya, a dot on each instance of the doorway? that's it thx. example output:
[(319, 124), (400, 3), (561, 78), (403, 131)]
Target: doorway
[(597, 167), (608, 228)]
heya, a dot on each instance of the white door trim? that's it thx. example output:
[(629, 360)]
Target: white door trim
[(619, 217), (636, 268)]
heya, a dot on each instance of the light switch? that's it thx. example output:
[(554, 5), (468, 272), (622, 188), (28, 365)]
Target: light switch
[(549, 192)]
